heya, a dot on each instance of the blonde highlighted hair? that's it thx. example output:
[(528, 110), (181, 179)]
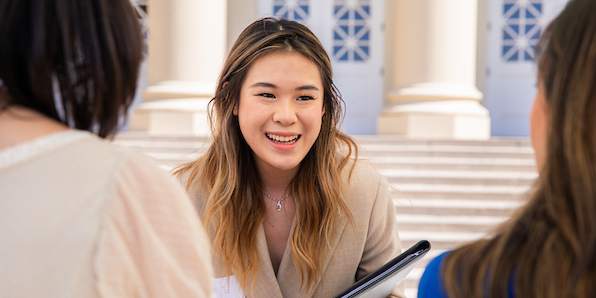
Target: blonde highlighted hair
[(226, 174)]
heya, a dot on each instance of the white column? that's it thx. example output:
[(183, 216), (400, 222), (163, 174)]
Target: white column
[(187, 46), (431, 71)]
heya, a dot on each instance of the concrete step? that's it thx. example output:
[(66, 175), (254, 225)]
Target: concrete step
[(393, 139), (159, 148), (452, 207), (439, 240), (457, 147), (448, 223), (454, 163), (168, 148), (459, 192), (439, 177), (144, 136), (414, 152)]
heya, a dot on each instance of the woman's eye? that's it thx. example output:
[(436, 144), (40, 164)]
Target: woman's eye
[(306, 97), (267, 95)]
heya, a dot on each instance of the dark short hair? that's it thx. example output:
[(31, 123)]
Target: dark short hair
[(87, 51)]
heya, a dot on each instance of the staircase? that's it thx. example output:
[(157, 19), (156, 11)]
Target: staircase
[(447, 192)]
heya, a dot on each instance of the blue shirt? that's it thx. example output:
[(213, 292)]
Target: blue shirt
[(431, 283)]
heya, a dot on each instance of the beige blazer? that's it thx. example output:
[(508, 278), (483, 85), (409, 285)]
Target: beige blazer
[(352, 253)]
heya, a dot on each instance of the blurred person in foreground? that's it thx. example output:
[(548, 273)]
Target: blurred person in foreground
[(548, 248), (80, 217)]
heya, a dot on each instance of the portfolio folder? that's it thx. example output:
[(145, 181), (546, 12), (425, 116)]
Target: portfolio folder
[(383, 280)]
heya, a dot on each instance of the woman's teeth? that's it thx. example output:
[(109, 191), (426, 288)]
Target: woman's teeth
[(280, 139)]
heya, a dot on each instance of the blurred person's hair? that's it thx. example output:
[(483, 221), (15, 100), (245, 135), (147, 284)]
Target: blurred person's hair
[(74, 61), (548, 248)]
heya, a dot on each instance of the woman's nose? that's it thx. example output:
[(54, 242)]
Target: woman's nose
[(285, 112)]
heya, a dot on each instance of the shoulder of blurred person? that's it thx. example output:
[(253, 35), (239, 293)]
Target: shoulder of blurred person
[(110, 222)]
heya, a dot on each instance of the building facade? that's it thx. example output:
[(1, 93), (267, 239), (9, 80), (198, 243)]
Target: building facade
[(457, 69)]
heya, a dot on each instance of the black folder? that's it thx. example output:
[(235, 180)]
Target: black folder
[(382, 281)]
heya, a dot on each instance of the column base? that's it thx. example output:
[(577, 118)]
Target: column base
[(187, 116), (178, 89), (451, 119)]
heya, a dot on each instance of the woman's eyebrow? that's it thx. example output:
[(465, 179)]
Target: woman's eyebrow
[(273, 86), (307, 87), (263, 84)]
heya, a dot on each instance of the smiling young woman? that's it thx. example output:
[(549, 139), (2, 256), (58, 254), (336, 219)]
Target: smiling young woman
[(289, 209)]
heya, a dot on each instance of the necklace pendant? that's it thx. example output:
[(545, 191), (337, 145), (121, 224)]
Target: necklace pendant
[(278, 206)]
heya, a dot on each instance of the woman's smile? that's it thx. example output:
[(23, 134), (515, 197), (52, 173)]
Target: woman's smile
[(280, 110), (283, 140)]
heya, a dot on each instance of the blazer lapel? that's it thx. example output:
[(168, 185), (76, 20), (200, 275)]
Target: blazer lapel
[(289, 277), (266, 283)]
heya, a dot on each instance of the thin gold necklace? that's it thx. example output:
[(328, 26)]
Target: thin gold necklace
[(278, 207)]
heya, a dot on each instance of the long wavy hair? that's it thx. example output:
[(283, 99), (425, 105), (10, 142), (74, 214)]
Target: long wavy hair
[(86, 52), (548, 248), (227, 177)]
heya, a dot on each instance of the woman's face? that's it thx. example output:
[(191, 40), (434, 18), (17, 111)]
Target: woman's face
[(280, 110), (539, 126)]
